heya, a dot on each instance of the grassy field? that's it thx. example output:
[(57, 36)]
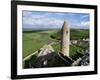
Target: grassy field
[(34, 40), (79, 33)]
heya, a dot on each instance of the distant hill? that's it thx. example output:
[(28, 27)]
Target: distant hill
[(39, 29)]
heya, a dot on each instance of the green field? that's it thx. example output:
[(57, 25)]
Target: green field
[(34, 40), (79, 33)]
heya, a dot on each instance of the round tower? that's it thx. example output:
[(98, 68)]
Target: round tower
[(65, 39)]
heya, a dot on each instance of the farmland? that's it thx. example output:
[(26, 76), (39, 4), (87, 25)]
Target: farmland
[(34, 40)]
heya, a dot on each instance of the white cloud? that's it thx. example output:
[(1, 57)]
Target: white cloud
[(52, 19), (27, 13), (43, 20), (85, 23), (85, 16)]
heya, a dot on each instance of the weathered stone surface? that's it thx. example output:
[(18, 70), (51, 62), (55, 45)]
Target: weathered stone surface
[(85, 59), (77, 62), (65, 39), (44, 55), (82, 61)]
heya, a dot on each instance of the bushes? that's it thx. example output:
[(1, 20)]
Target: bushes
[(53, 36), (56, 35)]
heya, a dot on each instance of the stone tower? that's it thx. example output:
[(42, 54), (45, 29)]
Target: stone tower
[(65, 39)]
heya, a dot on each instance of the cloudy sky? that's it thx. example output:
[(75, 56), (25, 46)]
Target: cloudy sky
[(45, 20)]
